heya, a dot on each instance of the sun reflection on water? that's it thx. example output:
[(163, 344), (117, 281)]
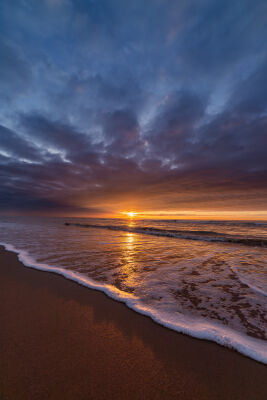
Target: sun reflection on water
[(128, 259)]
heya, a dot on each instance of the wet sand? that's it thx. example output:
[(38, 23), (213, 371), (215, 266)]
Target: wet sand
[(59, 340)]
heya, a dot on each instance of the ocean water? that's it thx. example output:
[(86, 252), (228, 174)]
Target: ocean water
[(206, 279)]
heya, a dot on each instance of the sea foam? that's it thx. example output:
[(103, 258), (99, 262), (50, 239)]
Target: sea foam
[(198, 328)]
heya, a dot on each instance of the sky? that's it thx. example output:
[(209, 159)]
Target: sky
[(156, 106)]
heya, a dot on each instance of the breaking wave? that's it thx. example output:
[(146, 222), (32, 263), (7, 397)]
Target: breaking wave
[(208, 236)]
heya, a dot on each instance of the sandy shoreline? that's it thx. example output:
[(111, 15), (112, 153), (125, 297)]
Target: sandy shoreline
[(61, 340)]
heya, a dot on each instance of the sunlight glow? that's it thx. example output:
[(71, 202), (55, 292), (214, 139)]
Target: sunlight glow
[(130, 214)]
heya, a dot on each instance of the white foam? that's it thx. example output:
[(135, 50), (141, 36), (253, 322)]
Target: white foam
[(246, 282), (201, 329)]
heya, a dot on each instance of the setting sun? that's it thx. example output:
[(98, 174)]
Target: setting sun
[(130, 214)]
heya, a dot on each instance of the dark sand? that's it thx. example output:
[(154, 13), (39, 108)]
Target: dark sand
[(59, 340)]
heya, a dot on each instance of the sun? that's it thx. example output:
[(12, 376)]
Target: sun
[(131, 214)]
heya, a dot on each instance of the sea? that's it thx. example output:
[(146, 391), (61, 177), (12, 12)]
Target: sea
[(206, 279)]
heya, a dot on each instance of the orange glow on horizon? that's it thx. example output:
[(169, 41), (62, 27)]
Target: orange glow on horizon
[(232, 215), (195, 215)]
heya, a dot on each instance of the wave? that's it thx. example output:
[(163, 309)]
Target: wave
[(209, 236), (241, 223), (201, 329)]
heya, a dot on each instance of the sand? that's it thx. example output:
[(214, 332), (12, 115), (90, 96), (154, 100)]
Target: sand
[(59, 340)]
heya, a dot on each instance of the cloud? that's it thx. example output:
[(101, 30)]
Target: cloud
[(110, 104), (56, 137), (250, 97), (15, 72), (172, 130), (13, 145), (121, 132)]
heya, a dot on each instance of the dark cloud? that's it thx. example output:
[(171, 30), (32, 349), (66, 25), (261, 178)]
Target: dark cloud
[(172, 130), (57, 137), (16, 146), (121, 132)]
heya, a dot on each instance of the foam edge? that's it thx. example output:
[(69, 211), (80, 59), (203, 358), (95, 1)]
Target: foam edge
[(247, 346)]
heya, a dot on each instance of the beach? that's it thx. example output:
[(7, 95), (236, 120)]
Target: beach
[(62, 340)]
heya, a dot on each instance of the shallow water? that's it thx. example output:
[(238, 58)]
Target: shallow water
[(203, 278)]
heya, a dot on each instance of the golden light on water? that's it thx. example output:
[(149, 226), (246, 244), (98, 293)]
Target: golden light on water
[(128, 260)]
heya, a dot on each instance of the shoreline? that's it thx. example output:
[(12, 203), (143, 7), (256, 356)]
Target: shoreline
[(219, 334), (60, 337)]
